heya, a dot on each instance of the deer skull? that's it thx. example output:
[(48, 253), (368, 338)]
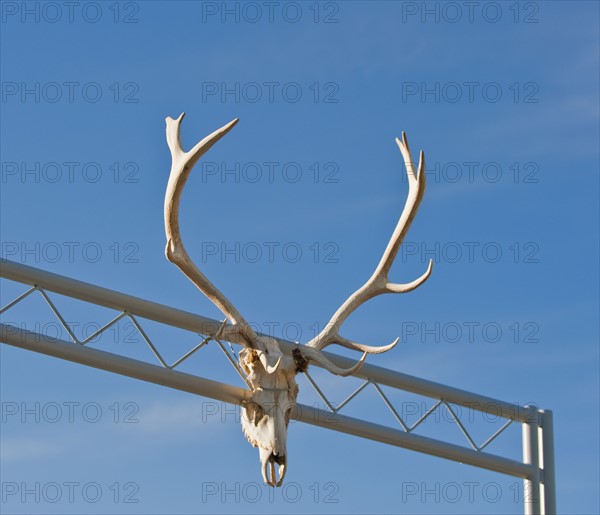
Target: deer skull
[(269, 372), (266, 415)]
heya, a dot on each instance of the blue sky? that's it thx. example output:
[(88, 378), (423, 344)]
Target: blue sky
[(503, 99)]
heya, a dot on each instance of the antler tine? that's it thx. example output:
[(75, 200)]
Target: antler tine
[(378, 283), (182, 164)]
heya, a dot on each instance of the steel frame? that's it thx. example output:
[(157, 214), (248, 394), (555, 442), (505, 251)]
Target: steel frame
[(536, 469)]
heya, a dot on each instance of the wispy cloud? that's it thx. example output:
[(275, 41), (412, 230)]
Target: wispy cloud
[(189, 417), (23, 449)]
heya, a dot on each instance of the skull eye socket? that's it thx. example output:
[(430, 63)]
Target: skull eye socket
[(254, 412)]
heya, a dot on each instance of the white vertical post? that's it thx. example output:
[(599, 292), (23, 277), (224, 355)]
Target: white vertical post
[(548, 481), (531, 485)]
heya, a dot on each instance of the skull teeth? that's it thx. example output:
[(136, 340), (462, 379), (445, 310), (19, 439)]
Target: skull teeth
[(255, 443)]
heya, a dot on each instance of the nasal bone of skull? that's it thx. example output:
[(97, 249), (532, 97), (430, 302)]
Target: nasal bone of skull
[(278, 446)]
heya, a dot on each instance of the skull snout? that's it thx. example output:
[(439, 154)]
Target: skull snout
[(268, 461)]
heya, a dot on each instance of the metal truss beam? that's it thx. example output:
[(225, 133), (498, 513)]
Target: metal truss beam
[(537, 468), (226, 393), (178, 318)]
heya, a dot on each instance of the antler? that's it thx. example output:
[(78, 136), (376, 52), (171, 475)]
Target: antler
[(378, 283), (182, 164)]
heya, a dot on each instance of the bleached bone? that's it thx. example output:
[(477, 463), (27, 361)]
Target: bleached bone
[(271, 373), (379, 283)]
